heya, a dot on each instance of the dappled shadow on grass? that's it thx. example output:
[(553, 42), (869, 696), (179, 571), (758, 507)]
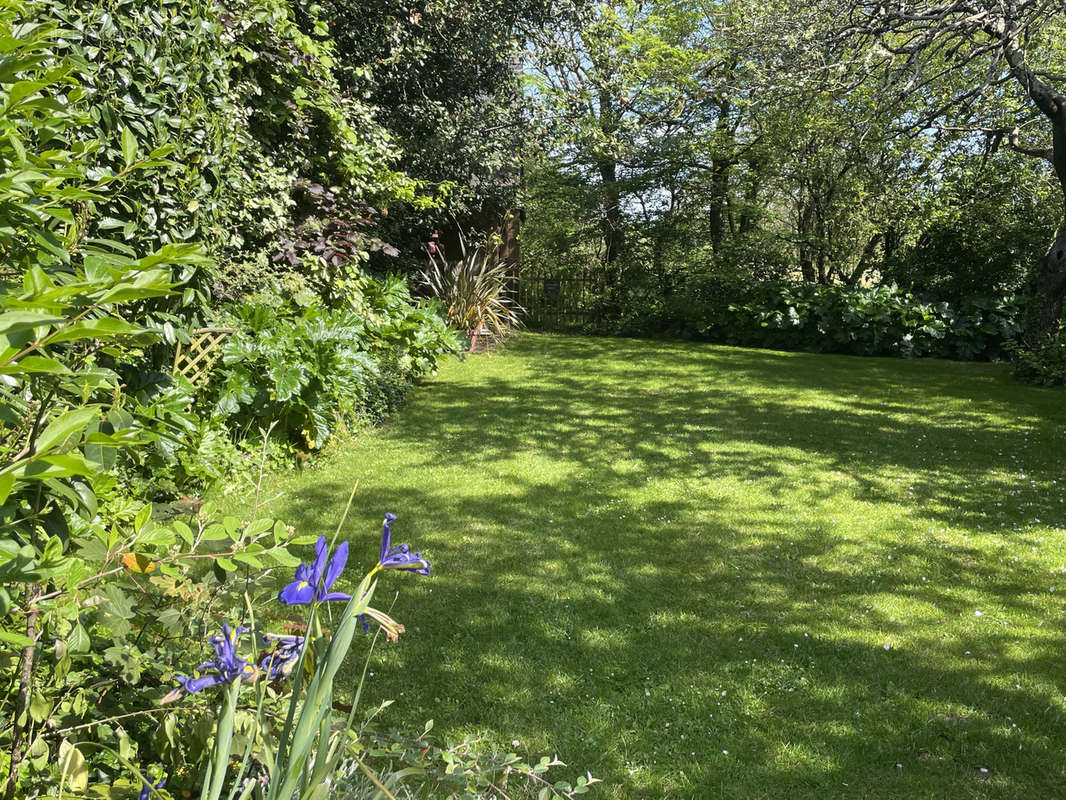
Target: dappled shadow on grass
[(964, 430), (597, 593)]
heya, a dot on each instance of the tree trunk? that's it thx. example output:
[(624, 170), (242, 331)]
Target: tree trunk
[(719, 193), (607, 167), (1048, 284), (721, 165), (612, 211), (18, 734), (804, 220), (751, 198), (865, 261)]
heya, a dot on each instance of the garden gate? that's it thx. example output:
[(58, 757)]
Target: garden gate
[(554, 302)]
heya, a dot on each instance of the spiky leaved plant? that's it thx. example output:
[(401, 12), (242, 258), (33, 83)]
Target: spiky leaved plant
[(473, 289)]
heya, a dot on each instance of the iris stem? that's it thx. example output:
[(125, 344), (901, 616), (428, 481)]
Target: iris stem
[(344, 516)]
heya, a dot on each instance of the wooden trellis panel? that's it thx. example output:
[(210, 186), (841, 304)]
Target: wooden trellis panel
[(196, 359)]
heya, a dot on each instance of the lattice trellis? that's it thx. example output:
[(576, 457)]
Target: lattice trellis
[(196, 359)]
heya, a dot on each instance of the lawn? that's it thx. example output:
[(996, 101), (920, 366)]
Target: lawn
[(707, 572)]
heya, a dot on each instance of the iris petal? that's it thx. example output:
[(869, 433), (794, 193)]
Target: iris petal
[(311, 584), (321, 552), (336, 566), (194, 685), (401, 558), (334, 596), (386, 536), (296, 593)]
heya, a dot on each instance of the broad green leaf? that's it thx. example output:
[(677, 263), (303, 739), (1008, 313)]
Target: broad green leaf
[(142, 517), (55, 466), (6, 482), (103, 328), (129, 146), (125, 746), (232, 526), (64, 426), (22, 320), (258, 526), (283, 557), (21, 90), (17, 639), (38, 753), (72, 767), (78, 639), (40, 707), (184, 531), (35, 365)]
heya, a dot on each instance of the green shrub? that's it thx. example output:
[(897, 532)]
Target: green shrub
[(308, 371), (313, 370), (878, 321), (1042, 362)]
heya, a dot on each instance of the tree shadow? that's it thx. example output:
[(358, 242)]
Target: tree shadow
[(589, 599)]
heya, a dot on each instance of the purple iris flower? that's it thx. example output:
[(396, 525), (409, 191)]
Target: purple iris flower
[(313, 581), (147, 790), (282, 659), (401, 557), (226, 666)]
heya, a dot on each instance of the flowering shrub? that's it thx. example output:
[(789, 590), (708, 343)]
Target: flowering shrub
[(261, 719)]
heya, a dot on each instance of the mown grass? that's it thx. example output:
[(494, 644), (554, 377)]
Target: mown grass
[(704, 572)]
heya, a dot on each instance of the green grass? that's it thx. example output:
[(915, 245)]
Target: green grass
[(646, 554)]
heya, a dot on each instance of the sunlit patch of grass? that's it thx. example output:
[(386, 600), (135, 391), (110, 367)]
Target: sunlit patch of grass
[(710, 572)]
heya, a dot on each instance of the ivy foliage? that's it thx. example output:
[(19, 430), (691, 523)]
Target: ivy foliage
[(243, 98)]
